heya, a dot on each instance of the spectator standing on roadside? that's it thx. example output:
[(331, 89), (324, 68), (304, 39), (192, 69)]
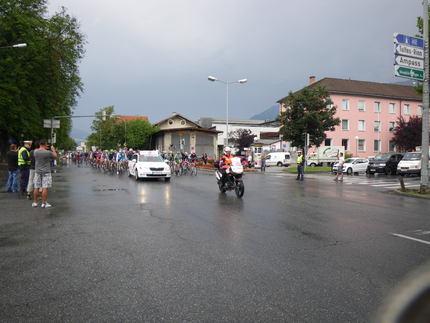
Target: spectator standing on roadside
[(300, 166), (205, 158), (339, 170), (30, 185), (24, 165), (12, 167), (42, 176), (263, 161)]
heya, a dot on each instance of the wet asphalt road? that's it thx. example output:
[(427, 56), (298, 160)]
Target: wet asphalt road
[(113, 249)]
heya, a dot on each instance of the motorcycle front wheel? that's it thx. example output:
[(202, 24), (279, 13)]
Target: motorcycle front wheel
[(221, 187), (240, 189)]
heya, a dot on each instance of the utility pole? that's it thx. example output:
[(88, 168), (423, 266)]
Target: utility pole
[(425, 120)]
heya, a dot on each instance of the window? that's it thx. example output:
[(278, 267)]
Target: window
[(361, 106), (345, 124), (170, 121), (406, 109), (392, 108), (391, 126), (377, 107), (327, 142), (391, 146), (345, 144), (345, 104), (361, 125), (377, 126), (376, 145), (420, 110), (361, 145)]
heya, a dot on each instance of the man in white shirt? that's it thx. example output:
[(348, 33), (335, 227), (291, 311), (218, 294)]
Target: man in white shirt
[(339, 171)]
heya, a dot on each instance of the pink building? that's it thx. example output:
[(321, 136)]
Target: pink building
[(368, 113)]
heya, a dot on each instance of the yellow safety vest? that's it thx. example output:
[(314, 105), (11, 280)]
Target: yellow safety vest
[(21, 161)]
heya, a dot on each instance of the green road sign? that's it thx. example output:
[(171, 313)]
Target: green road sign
[(409, 73)]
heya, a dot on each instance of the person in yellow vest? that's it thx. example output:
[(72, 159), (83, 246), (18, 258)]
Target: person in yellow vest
[(300, 166), (24, 165)]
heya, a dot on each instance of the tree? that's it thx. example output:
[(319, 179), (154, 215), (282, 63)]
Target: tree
[(408, 133), (41, 80), (311, 111), (242, 138), (103, 127), (139, 133), (110, 132)]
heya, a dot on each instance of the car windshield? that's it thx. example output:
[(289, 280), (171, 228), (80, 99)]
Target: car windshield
[(412, 156), (349, 160), (382, 157), (151, 159)]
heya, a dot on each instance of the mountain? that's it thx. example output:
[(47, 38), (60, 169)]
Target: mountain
[(269, 114)]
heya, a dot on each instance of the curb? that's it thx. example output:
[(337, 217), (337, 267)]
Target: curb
[(398, 192)]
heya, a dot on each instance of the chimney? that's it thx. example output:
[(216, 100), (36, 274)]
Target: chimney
[(311, 80)]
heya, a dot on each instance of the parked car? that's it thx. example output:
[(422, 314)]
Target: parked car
[(384, 163), (410, 164), (278, 159), (353, 165)]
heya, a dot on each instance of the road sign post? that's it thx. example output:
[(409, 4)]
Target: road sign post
[(425, 119)]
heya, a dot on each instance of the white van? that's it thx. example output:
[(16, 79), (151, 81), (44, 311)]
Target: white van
[(278, 159), (410, 164)]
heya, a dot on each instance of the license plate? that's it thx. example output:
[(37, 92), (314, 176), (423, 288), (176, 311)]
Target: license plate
[(373, 170), (157, 173), (404, 167)]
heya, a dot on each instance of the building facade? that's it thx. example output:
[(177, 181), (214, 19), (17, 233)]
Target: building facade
[(368, 112), (180, 134), (257, 127)]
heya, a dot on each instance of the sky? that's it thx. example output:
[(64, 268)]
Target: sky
[(153, 57)]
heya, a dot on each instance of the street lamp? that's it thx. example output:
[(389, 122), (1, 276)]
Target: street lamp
[(227, 83), (16, 46)]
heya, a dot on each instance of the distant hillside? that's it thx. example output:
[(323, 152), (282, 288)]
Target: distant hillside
[(269, 114)]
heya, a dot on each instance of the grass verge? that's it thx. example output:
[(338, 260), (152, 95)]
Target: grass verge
[(309, 170)]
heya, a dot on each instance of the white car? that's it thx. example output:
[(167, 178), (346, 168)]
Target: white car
[(148, 164), (353, 165)]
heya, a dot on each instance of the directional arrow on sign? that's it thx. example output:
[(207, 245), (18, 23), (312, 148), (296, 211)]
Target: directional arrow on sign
[(409, 62), (408, 40), (409, 51), (409, 73)]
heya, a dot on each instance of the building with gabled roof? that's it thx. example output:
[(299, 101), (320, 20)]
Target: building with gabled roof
[(368, 112), (180, 134)]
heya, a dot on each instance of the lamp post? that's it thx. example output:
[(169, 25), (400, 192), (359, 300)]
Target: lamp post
[(227, 83), (15, 46)]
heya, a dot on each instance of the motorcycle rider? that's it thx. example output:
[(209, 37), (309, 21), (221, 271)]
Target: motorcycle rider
[(225, 163)]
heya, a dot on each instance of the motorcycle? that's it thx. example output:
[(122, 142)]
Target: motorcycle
[(234, 178)]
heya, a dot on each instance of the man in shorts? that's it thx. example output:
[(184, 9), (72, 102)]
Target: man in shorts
[(42, 176), (339, 170)]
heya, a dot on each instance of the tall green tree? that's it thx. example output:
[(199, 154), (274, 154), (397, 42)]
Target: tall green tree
[(41, 80), (311, 111), (111, 132)]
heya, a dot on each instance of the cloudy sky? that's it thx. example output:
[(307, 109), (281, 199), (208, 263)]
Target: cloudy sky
[(152, 57)]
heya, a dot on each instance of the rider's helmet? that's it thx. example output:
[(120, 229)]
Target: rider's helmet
[(227, 150)]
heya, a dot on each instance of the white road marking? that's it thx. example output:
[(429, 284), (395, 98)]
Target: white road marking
[(410, 238)]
